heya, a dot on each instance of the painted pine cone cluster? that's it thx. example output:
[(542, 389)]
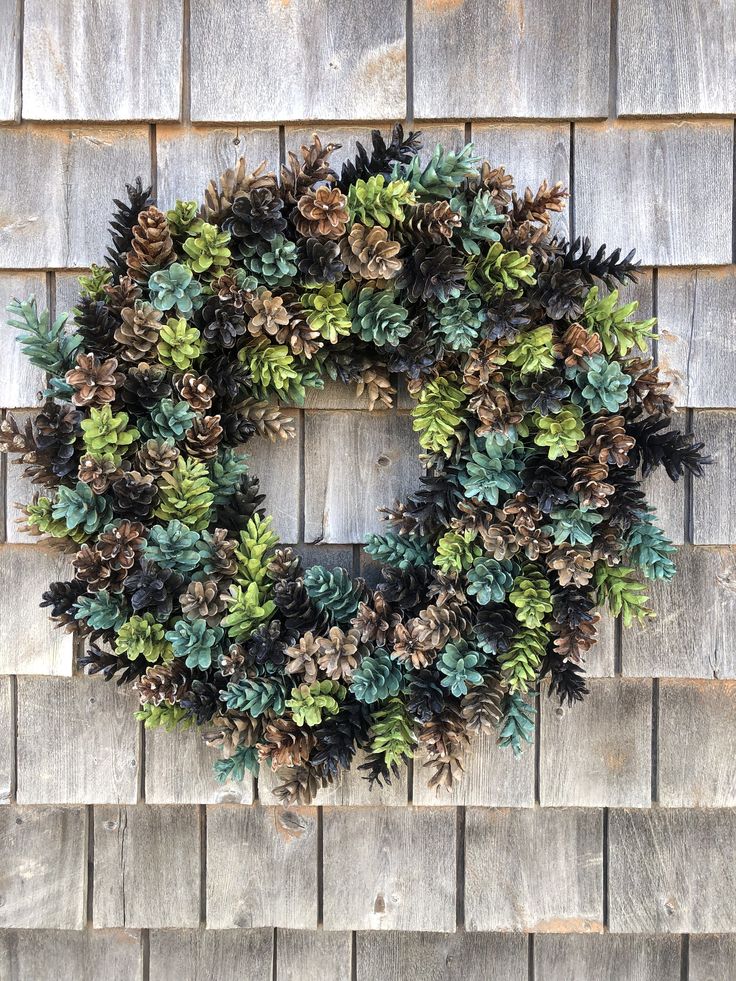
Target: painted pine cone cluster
[(537, 408)]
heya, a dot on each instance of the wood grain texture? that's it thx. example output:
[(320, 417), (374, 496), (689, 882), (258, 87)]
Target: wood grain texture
[(29, 642), (354, 464), (261, 867), (697, 343), (601, 662), (547, 872), (597, 753), (712, 958), (66, 290), (85, 955), (7, 740), (205, 955), (441, 957), (147, 867), (311, 955), (342, 64), (277, 466), (77, 742), (43, 872), (141, 80), (695, 719), (350, 791), (10, 68), (20, 382), (60, 229), (494, 59), (694, 54), (672, 871), (179, 770), (19, 490), (188, 157), (668, 497), (391, 854), (606, 958), (701, 644), (714, 520), (654, 186)]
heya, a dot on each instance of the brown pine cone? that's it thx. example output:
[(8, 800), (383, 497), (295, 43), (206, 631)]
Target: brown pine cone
[(433, 627), (297, 333), (578, 344), (157, 456), (196, 390), (482, 706), (94, 382), (533, 542), (589, 482), (445, 739), (607, 545), (339, 654), (99, 474), (647, 388), (231, 295), (572, 564), (575, 642), (203, 439), (202, 601), (499, 540), (434, 221), (370, 254), (375, 622), (232, 663), (482, 366), (497, 182), (377, 386), (222, 563), (268, 314), (162, 683), (300, 787), (231, 731), (285, 744), (152, 247), (522, 513), (322, 213), (122, 294), (219, 195), (285, 564), (268, 419), (608, 441), (410, 647), (91, 567), (303, 657), (139, 331), (120, 544)]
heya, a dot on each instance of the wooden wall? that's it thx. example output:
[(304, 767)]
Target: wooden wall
[(609, 851)]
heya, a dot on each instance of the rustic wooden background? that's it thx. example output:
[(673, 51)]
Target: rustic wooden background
[(608, 852)]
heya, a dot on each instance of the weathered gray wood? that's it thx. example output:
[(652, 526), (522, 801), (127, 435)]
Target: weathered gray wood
[(205, 955), (696, 768), (342, 64), (668, 497), (531, 152), (7, 740), (70, 71), (672, 871), (377, 863), (597, 753), (261, 867), (85, 955), (147, 867), (350, 790), (330, 556), (60, 228), (66, 289), (546, 871), (20, 382), (335, 395), (441, 957), (693, 51), (43, 872), (310, 955), (701, 644), (188, 157), (654, 187), (29, 643), (697, 344), (714, 521), (493, 778), (712, 958), (494, 59), (606, 958), (642, 292), (179, 770), (601, 661), (277, 466), (19, 490), (77, 742), (10, 69), (354, 463)]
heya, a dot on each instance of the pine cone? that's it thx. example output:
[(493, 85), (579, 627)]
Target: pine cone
[(297, 334), (151, 247), (134, 495), (232, 664), (375, 621), (196, 390), (589, 482), (96, 324), (507, 320), (434, 221), (91, 568), (572, 565), (377, 386), (432, 272), (162, 683), (322, 213), (410, 645), (339, 654), (97, 473), (152, 589), (122, 294), (445, 739), (267, 419), (203, 601), (157, 456), (435, 625), (139, 332), (319, 260), (94, 382), (120, 544), (579, 344), (609, 442), (575, 642), (370, 254), (482, 706), (144, 387), (221, 563), (300, 787), (303, 657), (285, 744), (203, 439), (285, 564), (268, 315), (256, 215), (646, 388), (222, 324), (234, 182)]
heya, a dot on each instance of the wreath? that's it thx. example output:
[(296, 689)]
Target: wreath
[(537, 409)]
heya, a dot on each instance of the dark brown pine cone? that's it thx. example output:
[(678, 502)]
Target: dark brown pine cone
[(119, 545), (411, 645), (433, 220), (157, 456), (203, 601), (134, 495), (94, 382), (285, 564), (162, 683), (122, 294), (196, 390), (97, 473), (579, 344), (258, 214), (222, 324), (482, 708), (203, 439), (608, 441), (91, 568), (221, 561), (144, 386), (285, 744), (319, 260), (589, 482)]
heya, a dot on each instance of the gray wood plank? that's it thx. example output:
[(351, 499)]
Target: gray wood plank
[(20, 382), (391, 855), (601, 661), (349, 791), (66, 289), (29, 642), (672, 871), (538, 70), (277, 466), (343, 65), (179, 770), (10, 68), (606, 958), (547, 870), (714, 521), (330, 556), (597, 753), (441, 957), (261, 867), (693, 51), (712, 958), (188, 157), (7, 740), (697, 344), (19, 490), (695, 767), (77, 742), (85, 955), (141, 80), (621, 169), (67, 229), (313, 955), (205, 955), (701, 644), (354, 463), (147, 867), (43, 873), (668, 497)]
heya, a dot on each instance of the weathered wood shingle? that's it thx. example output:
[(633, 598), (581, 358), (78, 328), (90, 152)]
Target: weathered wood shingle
[(202, 955), (277, 466), (7, 739), (714, 520), (441, 957), (606, 958), (712, 958), (10, 68), (313, 955), (20, 382), (179, 770), (40, 955)]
